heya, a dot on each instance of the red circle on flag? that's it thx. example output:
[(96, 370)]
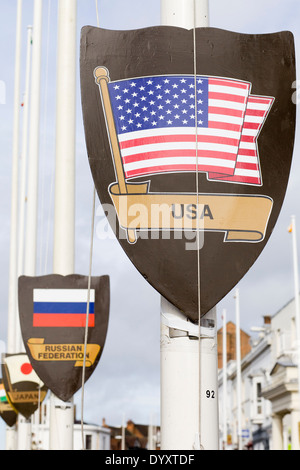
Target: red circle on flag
[(26, 368)]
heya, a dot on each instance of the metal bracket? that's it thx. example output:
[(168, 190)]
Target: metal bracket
[(180, 326)]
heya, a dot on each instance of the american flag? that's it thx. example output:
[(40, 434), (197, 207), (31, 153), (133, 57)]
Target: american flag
[(156, 120), (247, 169)]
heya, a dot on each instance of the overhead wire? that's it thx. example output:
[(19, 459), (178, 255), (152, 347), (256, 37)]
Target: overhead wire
[(88, 293), (87, 318), (197, 219), (43, 182)]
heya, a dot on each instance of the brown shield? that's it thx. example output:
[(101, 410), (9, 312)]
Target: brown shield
[(24, 389), (54, 313), (177, 151), (7, 412)]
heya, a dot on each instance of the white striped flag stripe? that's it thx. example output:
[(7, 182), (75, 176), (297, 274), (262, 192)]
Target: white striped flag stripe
[(155, 119), (247, 169)]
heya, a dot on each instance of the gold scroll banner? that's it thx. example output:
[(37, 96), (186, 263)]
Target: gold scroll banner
[(63, 352), (32, 396), (5, 407), (242, 217)]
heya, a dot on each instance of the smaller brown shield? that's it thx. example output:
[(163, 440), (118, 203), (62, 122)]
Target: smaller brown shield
[(7, 412), (24, 389), (54, 314)]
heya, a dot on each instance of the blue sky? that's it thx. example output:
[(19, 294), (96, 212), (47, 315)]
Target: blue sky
[(126, 380)]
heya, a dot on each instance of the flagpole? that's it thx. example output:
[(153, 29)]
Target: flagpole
[(34, 139), (24, 425), (123, 432), (62, 413), (224, 367), (238, 368), (189, 404), (181, 13), (12, 285), (296, 292), (12, 280), (22, 197)]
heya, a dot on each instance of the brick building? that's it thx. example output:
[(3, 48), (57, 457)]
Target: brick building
[(136, 436), (231, 343)]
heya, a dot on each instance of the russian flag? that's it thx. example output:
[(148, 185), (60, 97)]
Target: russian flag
[(62, 307)]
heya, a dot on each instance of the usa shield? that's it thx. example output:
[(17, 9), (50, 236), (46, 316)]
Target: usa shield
[(24, 389), (64, 322), (190, 149)]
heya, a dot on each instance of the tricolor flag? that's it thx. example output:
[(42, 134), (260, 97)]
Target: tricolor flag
[(3, 398), (157, 120), (62, 307)]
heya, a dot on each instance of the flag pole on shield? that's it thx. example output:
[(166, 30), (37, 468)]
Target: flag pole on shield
[(189, 402)]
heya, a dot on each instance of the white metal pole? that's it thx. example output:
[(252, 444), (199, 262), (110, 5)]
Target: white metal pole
[(63, 261), (181, 13), (238, 369), (151, 435), (12, 281), (123, 433), (62, 413), (34, 139), (209, 412), (179, 370), (181, 425), (24, 433), (11, 434), (22, 196), (181, 417), (224, 380), (296, 293), (24, 425)]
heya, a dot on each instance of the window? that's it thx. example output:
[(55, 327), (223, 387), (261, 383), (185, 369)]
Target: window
[(88, 442), (258, 398), (293, 334), (258, 401)]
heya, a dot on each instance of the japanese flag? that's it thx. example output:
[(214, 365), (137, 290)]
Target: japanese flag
[(20, 369)]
